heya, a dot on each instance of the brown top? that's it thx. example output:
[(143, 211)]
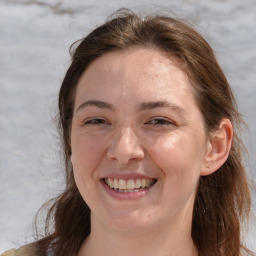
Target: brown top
[(26, 250)]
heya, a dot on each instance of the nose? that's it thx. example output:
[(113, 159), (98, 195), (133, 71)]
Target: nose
[(125, 147)]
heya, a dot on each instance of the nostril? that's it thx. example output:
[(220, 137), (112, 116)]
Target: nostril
[(124, 149)]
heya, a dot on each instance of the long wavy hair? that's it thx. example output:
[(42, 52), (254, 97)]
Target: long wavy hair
[(223, 200)]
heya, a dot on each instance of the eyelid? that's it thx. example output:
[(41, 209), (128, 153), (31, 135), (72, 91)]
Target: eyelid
[(95, 121), (162, 119)]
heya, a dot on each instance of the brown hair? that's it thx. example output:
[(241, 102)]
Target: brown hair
[(223, 199)]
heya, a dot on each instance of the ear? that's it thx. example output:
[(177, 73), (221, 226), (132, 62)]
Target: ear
[(218, 147)]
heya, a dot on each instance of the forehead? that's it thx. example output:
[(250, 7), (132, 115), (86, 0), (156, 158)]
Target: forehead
[(128, 79), (138, 68)]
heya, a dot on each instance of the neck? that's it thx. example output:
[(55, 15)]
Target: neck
[(159, 241)]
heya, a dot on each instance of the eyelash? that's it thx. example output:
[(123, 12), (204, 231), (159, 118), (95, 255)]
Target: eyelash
[(160, 122), (96, 121), (155, 121)]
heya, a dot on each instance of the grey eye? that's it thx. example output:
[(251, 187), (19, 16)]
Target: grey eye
[(96, 121), (159, 121)]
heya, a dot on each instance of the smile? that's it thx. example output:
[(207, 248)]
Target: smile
[(131, 185)]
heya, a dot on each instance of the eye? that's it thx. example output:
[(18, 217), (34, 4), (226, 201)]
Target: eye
[(96, 121), (160, 121)]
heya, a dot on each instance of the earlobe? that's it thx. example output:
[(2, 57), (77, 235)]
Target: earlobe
[(218, 148)]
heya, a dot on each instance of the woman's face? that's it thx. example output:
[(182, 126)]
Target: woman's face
[(138, 141)]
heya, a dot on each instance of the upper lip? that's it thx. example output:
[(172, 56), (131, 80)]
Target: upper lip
[(127, 176)]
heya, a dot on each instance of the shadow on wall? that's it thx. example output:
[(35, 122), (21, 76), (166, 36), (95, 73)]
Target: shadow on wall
[(55, 7)]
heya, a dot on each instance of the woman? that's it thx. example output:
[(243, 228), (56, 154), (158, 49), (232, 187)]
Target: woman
[(150, 133)]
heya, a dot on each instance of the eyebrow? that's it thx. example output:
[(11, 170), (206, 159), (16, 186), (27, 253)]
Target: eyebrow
[(161, 104), (96, 103), (142, 107)]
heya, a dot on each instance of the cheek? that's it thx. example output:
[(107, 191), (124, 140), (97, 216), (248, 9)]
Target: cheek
[(180, 168), (178, 157), (86, 152), (167, 150), (86, 156)]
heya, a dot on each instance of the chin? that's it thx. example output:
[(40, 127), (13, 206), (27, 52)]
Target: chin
[(130, 221), (130, 227)]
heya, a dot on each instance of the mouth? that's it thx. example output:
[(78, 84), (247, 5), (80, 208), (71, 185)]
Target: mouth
[(129, 186)]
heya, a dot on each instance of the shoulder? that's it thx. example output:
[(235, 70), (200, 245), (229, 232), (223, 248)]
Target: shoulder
[(26, 250)]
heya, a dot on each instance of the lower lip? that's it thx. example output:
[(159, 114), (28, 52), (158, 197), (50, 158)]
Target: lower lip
[(126, 195)]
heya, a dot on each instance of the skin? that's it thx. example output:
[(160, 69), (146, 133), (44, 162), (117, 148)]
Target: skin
[(128, 135)]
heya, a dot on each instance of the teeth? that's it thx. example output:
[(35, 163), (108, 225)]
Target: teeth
[(110, 183), (137, 183), (122, 184), (115, 183), (143, 183), (130, 185), (148, 182)]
